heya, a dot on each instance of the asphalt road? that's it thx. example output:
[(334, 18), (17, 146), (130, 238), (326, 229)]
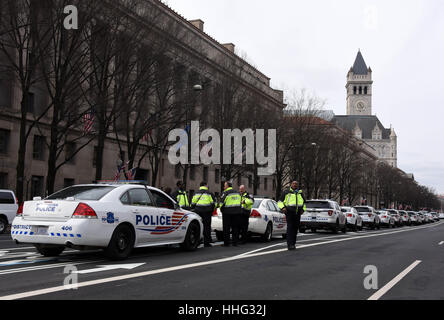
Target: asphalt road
[(409, 263)]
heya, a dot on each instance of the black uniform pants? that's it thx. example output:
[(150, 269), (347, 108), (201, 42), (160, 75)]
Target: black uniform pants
[(206, 220), (244, 221), (230, 223), (293, 222)]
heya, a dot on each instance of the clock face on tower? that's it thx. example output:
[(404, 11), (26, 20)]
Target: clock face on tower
[(360, 106)]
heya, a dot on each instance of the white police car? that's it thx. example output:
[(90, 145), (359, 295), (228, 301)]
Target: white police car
[(266, 220), (114, 216)]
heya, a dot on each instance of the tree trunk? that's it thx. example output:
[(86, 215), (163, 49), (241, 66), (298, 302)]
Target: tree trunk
[(20, 168)]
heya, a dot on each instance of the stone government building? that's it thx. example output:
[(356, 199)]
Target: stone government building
[(207, 65), (359, 119)]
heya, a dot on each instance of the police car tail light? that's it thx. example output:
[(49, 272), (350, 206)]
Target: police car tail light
[(215, 213), (370, 215), (255, 214), (350, 215), (330, 212), (84, 211), (20, 210)]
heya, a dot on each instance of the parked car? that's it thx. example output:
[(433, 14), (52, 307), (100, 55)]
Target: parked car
[(435, 216), (386, 219), (441, 215), (323, 214), (266, 220), (354, 220), (413, 217), (396, 216), (405, 217), (8, 209), (421, 218), (369, 217)]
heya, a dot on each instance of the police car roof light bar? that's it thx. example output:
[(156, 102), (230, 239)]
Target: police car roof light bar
[(140, 182)]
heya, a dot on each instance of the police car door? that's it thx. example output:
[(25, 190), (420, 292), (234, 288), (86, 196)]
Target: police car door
[(143, 213), (173, 225)]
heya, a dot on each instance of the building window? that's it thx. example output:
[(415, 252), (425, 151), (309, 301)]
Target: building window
[(365, 90), (5, 93), (4, 141), (205, 174), (3, 180), (177, 171), (70, 149), (360, 90), (96, 149), (30, 105), (37, 187), (192, 173), (265, 183), (274, 185), (39, 148), (67, 182), (354, 90), (250, 181), (216, 176)]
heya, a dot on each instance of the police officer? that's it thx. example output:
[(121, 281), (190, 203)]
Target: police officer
[(230, 205), (292, 203), (203, 204), (180, 195), (247, 203)]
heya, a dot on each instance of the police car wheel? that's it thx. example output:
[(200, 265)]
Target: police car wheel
[(219, 235), (49, 250), (191, 241), (268, 233), (121, 243), (336, 227), (3, 225)]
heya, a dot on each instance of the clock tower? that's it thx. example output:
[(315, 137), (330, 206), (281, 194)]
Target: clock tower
[(359, 88)]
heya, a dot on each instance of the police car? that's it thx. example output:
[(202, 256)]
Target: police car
[(323, 214), (114, 216), (266, 220)]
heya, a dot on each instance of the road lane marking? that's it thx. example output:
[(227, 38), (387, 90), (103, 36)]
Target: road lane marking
[(394, 281), (442, 242), (128, 266), (182, 267), (47, 266)]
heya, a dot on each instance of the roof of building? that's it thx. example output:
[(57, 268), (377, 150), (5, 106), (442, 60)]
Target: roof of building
[(365, 123), (359, 67)]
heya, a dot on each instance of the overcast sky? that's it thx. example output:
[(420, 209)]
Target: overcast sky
[(313, 43)]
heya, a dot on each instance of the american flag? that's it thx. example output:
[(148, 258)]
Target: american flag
[(146, 136), (88, 121), (131, 174), (120, 168)]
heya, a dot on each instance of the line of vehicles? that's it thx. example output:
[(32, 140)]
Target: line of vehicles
[(120, 216)]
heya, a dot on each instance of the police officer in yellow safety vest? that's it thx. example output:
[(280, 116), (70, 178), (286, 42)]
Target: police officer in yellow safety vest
[(203, 204), (247, 203), (292, 203), (230, 205), (180, 195)]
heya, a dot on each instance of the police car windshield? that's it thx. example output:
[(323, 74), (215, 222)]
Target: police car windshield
[(81, 193), (318, 204)]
